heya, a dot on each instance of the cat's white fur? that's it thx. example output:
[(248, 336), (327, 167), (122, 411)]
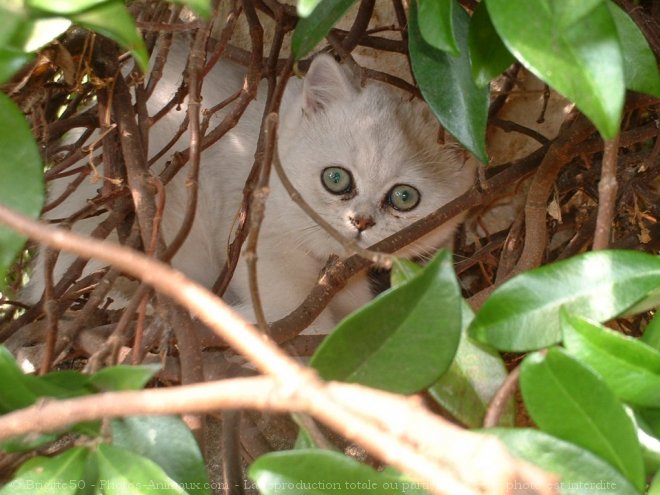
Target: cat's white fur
[(383, 139)]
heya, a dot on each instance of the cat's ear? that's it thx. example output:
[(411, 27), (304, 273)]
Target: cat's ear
[(325, 83)]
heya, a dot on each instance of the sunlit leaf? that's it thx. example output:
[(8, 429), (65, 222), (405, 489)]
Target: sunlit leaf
[(648, 442), (436, 24), (568, 12), (168, 442), (312, 29), (472, 380), (14, 391), (11, 60), (629, 367), (654, 488), (523, 313), (317, 472), (574, 50), (447, 85), (651, 333), (21, 187), (639, 65), (306, 7), (404, 339), (113, 20), (569, 401), (122, 472), (64, 7), (581, 472), (200, 7), (488, 54), (123, 377), (49, 475)]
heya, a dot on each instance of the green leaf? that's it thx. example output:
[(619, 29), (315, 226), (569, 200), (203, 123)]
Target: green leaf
[(14, 390), (571, 402), (122, 472), (475, 374), (70, 383), (648, 442), (472, 380), (18, 390), (12, 53), (200, 7), (654, 489), (304, 439), (568, 12), (168, 442), (403, 340), (11, 60), (90, 484), (578, 55), (49, 475), (312, 29), (581, 472), (403, 270), (123, 377), (651, 418), (523, 313), (306, 7), (629, 367), (315, 472), (28, 442), (22, 186), (488, 54), (64, 7), (447, 86), (639, 66), (651, 335), (59, 384), (43, 31), (436, 24), (113, 20)]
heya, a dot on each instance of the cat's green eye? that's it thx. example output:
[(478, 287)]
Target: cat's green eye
[(403, 197), (337, 180)]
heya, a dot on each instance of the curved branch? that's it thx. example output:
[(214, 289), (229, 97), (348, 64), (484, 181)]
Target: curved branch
[(397, 430)]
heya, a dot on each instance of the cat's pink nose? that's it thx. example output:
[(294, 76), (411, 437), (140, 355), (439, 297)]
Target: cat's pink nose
[(362, 222)]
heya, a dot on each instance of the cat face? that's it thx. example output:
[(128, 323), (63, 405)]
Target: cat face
[(367, 161)]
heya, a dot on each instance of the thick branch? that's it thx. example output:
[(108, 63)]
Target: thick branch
[(397, 431), (468, 460)]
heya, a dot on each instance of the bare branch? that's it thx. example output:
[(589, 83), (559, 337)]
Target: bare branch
[(397, 431), (607, 188)]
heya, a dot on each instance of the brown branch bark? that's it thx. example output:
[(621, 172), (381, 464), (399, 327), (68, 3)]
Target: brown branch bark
[(607, 188), (397, 431), (505, 393)]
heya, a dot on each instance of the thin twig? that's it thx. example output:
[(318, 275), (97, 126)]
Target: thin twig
[(257, 209), (499, 403), (50, 310), (360, 25), (510, 126), (396, 430), (195, 67), (232, 465), (607, 188), (248, 93)]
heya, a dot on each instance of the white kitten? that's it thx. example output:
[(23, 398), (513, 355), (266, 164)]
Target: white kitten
[(365, 159)]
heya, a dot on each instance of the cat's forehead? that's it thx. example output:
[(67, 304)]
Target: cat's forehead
[(378, 137)]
